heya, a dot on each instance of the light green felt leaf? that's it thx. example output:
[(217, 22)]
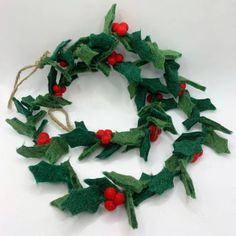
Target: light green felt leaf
[(185, 103), (192, 83), (171, 54), (85, 53), (109, 18), (37, 151), (129, 206), (108, 151), (89, 150)]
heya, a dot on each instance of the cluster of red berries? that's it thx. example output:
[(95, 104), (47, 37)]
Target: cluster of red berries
[(182, 88), (159, 97), (63, 63), (58, 90), (196, 156), (115, 58), (120, 28), (43, 138), (154, 132), (104, 135), (113, 198)]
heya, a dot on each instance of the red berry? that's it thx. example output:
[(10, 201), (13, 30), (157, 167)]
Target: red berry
[(154, 132), (99, 133), (63, 89), (181, 92), (121, 30), (43, 138), (107, 132), (56, 88), (124, 24), (106, 139), (119, 199), (114, 26), (182, 86), (149, 98), (110, 193), (119, 58), (196, 156), (111, 60), (58, 94), (63, 63), (110, 205), (159, 96)]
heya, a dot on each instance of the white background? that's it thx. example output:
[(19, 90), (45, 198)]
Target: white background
[(204, 31)]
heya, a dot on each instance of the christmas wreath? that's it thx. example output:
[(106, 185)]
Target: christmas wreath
[(153, 98)]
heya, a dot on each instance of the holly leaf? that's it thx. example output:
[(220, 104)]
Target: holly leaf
[(171, 54), (101, 183), (145, 145), (185, 103), (108, 151), (37, 151), (192, 83), (140, 98), (109, 18), (89, 150), (154, 85), (203, 104), (129, 206)]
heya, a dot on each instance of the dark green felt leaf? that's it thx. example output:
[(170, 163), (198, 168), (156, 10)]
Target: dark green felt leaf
[(154, 86), (216, 142), (59, 49), (109, 18), (132, 88), (40, 128), (129, 70), (89, 150), (203, 104), (125, 181), (101, 183), (185, 103), (132, 137), (21, 108), (21, 128), (193, 84), (57, 148), (129, 206), (51, 101), (168, 104), (140, 98), (193, 119), (145, 145), (34, 119), (52, 79), (28, 101), (108, 151), (37, 151)]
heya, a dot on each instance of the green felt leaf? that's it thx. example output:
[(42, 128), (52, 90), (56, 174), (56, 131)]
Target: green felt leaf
[(104, 68), (125, 40), (140, 98), (159, 123), (171, 54), (129, 70), (193, 84), (185, 103), (108, 151), (34, 119), (216, 142), (133, 88), (109, 18), (85, 53), (59, 49), (89, 150), (40, 128), (193, 119), (203, 104), (171, 76), (168, 104), (21, 108), (51, 101), (28, 101), (132, 137), (145, 145), (101, 183), (125, 181), (80, 200), (187, 181), (80, 137), (154, 85), (37, 151), (21, 128), (52, 79), (214, 125), (129, 206), (57, 148)]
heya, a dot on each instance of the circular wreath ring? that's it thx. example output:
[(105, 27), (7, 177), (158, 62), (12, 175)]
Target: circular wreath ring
[(153, 98)]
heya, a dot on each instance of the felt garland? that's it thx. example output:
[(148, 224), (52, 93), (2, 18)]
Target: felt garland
[(153, 98)]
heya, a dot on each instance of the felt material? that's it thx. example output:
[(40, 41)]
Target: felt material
[(21, 128), (193, 119), (34, 119), (37, 151), (51, 101), (89, 150), (109, 18), (132, 137), (80, 200), (108, 151), (192, 83), (159, 123), (59, 49), (125, 41), (129, 70), (129, 206), (171, 76), (154, 85), (168, 104), (125, 181), (80, 137), (140, 98), (185, 103), (40, 128), (28, 102), (203, 104), (132, 88), (52, 79), (85, 53), (145, 145), (101, 183), (21, 108), (214, 125), (216, 142), (104, 68), (171, 54)]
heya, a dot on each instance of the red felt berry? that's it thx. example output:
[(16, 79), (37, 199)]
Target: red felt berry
[(110, 193), (106, 139), (107, 132), (154, 132), (63, 89), (99, 133), (181, 92), (196, 156), (114, 26), (159, 96), (122, 29), (149, 98), (63, 63), (124, 24), (119, 199), (111, 60), (182, 86), (43, 138), (110, 205), (58, 94), (119, 58), (56, 88)]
